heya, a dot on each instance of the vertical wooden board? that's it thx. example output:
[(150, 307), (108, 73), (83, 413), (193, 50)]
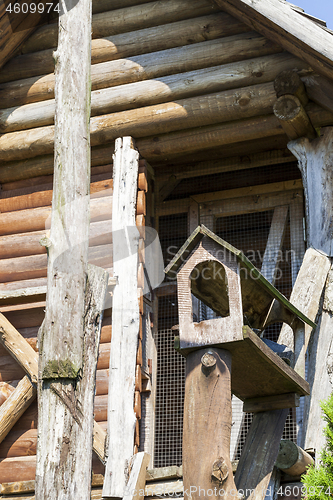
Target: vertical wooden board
[(207, 425), (125, 319), (320, 372)]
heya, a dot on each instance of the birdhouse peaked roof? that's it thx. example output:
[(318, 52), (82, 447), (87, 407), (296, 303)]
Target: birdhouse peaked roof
[(254, 274)]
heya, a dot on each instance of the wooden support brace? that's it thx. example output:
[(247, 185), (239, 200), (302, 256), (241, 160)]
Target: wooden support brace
[(25, 392), (15, 405)]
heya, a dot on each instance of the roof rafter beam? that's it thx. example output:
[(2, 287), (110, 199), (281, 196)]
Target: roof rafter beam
[(286, 27)]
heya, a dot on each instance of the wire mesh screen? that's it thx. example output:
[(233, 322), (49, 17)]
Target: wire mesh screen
[(249, 230), (170, 364)]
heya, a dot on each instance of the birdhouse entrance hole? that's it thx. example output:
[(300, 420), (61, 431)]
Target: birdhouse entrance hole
[(209, 284)]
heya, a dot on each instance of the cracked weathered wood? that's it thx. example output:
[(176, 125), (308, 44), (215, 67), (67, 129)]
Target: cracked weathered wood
[(315, 162), (207, 424), (66, 408), (68, 338), (125, 319)]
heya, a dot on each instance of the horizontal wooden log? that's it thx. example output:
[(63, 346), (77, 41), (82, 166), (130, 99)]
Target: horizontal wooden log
[(34, 219), (147, 66), (35, 266), (130, 44), (148, 92), (44, 198), (10, 188), (126, 20), (19, 444), (29, 169), (161, 118), (23, 244), (293, 118), (177, 144), (25, 468), (292, 459)]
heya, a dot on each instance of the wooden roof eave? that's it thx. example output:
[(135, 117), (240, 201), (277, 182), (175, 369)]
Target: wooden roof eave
[(280, 23), (254, 273)]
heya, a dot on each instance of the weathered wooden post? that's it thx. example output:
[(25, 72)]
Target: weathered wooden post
[(315, 160), (222, 357), (68, 339)]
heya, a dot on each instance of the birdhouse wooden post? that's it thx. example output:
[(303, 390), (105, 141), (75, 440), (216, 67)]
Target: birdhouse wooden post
[(224, 355)]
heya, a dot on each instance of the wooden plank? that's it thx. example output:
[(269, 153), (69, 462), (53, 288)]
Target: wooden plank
[(125, 321), (137, 478), (319, 374), (268, 403), (307, 291), (281, 23), (160, 473)]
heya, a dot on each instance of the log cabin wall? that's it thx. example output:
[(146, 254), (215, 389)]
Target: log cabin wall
[(188, 82)]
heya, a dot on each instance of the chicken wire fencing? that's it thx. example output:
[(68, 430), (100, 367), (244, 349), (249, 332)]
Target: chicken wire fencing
[(247, 225)]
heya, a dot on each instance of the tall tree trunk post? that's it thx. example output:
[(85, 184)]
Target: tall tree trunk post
[(315, 160), (67, 351)]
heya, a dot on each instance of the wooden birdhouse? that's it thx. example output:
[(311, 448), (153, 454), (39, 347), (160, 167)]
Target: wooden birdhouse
[(225, 354)]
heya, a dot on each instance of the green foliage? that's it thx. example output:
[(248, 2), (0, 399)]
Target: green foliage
[(318, 481)]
